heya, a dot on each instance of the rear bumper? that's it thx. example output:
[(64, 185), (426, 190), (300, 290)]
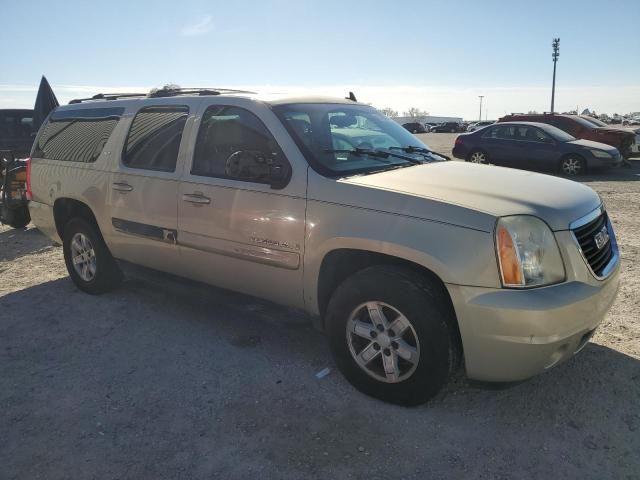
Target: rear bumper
[(460, 151), (511, 335), (42, 217)]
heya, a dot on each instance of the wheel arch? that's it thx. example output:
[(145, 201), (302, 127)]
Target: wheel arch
[(339, 264), (473, 150), (65, 209)]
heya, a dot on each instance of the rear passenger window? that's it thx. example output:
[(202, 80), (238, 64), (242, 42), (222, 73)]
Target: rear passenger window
[(154, 138), (77, 135), (501, 132), (228, 133)]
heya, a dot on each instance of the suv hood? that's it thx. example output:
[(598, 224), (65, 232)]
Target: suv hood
[(496, 191)]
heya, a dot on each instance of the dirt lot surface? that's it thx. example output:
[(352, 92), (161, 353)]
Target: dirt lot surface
[(161, 381)]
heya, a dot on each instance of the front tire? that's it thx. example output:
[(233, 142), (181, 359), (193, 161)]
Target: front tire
[(89, 262), (391, 336), (572, 165)]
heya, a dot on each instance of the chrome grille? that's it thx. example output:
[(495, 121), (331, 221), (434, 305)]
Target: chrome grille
[(597, 257)]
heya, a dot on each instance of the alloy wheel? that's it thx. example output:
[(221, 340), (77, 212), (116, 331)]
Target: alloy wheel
[(383, 342), (478, 157), (571, 166), (83, 257)]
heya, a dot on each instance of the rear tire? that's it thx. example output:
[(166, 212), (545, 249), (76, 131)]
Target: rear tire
[(16, 217), (478, 156), (572, 165), (408, 366), (89, 262)]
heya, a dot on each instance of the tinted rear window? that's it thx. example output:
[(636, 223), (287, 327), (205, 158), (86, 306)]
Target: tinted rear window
[(77, 135), (154, 138)]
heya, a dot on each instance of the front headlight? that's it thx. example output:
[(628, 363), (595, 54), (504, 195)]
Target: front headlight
[(527, 252), (600, 154)]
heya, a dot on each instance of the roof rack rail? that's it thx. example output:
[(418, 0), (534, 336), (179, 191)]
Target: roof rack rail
[(107, 96), (173, 92), (160, 93)]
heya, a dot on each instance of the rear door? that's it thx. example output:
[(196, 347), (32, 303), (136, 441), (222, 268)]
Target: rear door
[(144, 186), (234, 229), (499, 143)]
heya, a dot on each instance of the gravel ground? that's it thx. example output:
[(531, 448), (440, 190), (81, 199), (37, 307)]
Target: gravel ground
[(164, 380)]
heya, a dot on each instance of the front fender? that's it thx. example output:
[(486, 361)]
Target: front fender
[(457, 255)]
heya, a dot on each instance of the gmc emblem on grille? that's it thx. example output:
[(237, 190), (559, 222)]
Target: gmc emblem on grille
[(602, 237)]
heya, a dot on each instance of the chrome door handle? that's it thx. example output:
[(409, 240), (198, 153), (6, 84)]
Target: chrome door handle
[(122, 187), (196, 198)]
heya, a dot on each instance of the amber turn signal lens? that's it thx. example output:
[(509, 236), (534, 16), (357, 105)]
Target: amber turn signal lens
[(509, 262)]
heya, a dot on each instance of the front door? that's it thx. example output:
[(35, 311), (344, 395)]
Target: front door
[(144, 188), (539, 149), (236, 229)]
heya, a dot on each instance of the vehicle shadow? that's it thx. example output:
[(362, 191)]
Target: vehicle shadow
[(625, 173), (629, 173), (208, 365), (16, 243)]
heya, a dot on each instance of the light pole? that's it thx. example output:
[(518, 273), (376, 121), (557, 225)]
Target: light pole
[(480, 116), (556, 53)]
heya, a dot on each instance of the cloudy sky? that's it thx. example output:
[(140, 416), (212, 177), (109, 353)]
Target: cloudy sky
[(434, 55)]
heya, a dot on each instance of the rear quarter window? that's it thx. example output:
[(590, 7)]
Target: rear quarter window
[(77, 135)]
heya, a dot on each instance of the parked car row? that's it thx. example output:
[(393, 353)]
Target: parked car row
[(582, 127), (445, 127), (534, 145)]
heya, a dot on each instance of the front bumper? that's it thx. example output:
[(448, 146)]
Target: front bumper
[(511, 335), (614, 162)]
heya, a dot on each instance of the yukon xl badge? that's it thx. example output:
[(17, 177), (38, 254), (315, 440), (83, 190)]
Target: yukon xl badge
[(602, 237)]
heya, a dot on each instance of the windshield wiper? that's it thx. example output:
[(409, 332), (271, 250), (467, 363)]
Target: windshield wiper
[(412, 149), (381, 154)]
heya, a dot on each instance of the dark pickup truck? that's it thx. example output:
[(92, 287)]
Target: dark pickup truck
[(16, 131)]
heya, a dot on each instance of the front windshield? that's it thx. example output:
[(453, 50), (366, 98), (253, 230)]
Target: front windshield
[(584, 122), (595, 121), (343, 139)]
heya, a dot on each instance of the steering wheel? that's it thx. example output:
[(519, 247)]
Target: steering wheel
[(248, 164)]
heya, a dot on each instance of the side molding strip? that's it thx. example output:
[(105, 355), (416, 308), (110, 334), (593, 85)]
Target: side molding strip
[(167, 235)]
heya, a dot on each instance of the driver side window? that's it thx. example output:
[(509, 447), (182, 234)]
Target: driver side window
[(233, 143)]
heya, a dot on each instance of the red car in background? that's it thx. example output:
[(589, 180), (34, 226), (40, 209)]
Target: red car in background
[(581, 128)]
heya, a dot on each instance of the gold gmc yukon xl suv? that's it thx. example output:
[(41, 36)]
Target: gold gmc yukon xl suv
[(412, 265)]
